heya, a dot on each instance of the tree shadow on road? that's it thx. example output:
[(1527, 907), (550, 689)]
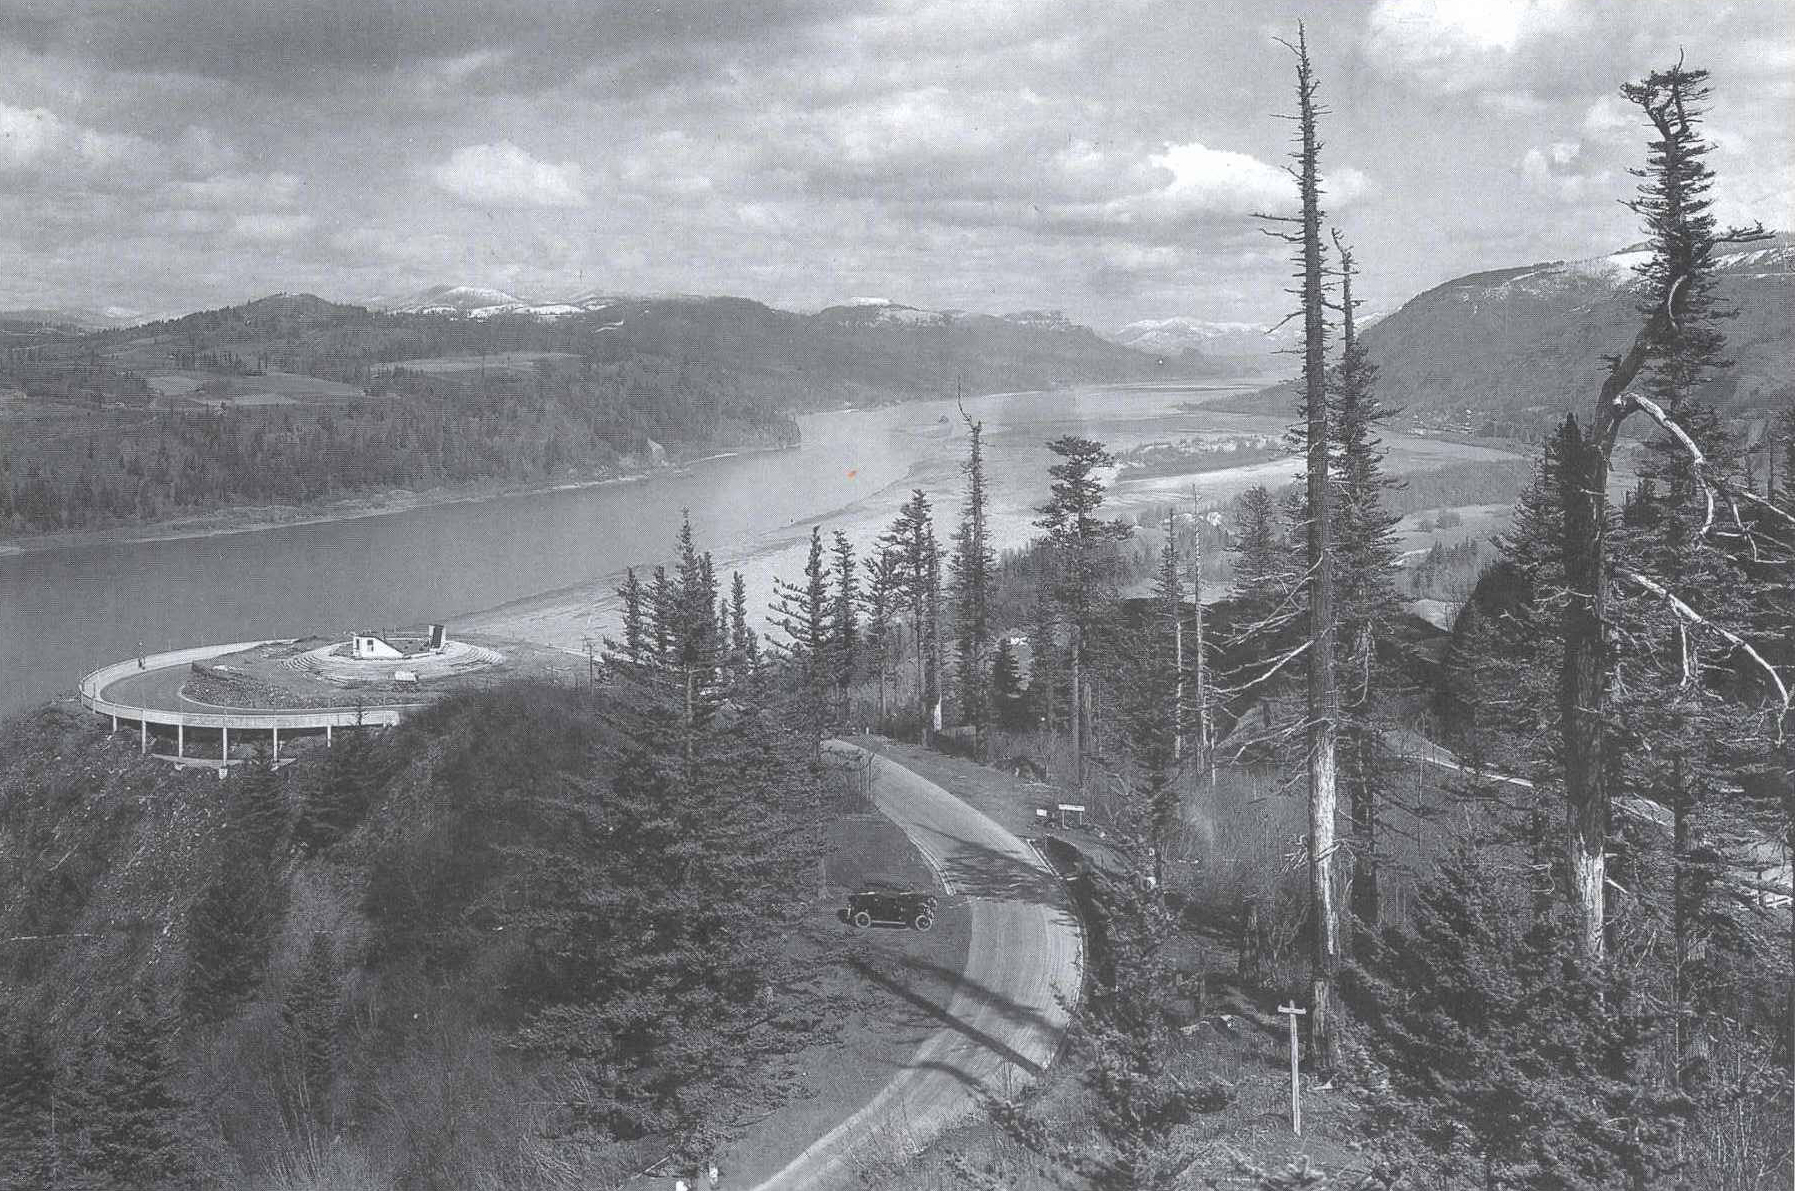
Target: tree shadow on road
[(978, 870), (950, 985)]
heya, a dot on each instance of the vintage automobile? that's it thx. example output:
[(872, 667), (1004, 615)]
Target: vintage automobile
[(892, 907)]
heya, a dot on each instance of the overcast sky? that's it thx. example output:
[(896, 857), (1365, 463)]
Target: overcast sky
[(1099, 156)]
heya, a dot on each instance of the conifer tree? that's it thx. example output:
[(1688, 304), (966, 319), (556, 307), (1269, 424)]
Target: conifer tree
[(1521, 1065), (1261, 587), (1504, 660), (310, 1027), (1009, 702), (338, 798), (256, 807), (1368, 602), (662, 608), (912, 543), (635, 619), (693, 649), (1143, 1098), (1198, 681), (231, 926), (27, 1124), (229, 932), (1679, 696), (744, 643), (1323, 697), (934, 643), (1675, 347), (651, 910), (139, 1133), (1044, 660), (1150, 697), (1079, 543), (844, 624), (881, 595), (972, 564), (802, 613)]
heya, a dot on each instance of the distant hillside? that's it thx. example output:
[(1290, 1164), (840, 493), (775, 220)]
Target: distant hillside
[(854, 355), (1521, 345), (291, 399), (72, 318)]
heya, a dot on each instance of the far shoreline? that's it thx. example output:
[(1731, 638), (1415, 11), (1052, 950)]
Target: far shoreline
[(383, 502), (238, 519)]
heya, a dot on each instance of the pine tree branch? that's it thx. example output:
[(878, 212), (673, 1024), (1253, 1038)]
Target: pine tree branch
[(1654, 411), (1691, 616), (1276, 666)]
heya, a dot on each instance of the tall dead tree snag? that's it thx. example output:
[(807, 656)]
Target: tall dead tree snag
[(1674, 346), (1323, 702)]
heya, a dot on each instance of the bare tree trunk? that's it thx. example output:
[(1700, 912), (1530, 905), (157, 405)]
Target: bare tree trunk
[(1075, 714), (1324, 700), (1366, 901), (1178, 689), (1584, 678), (1691, 941), (1205, 757)]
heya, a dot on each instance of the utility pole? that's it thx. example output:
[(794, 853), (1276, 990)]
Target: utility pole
[(1296, 1095)]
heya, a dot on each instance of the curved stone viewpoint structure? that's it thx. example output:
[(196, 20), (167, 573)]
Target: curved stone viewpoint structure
[(275, 686)]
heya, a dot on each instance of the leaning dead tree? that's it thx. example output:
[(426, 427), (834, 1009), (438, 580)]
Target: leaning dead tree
[(1672, 347), (1323, 700)]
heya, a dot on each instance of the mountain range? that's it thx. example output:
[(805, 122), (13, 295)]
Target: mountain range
[(1500, 349), (1183, 333)]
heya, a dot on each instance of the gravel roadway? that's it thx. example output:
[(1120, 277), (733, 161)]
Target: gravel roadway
[(1003, 1025)]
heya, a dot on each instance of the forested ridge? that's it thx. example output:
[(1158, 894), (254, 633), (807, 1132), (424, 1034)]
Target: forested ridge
[(419, 400)]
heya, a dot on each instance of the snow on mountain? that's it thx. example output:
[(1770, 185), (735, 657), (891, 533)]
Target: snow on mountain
[(476, 301), (1046, 320), (1180, 333), (882, 312)]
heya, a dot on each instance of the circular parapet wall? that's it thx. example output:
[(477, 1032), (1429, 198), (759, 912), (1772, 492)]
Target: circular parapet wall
[(329, 663)]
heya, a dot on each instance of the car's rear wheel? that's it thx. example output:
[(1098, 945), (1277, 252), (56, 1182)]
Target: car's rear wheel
[(923, 921), (862, 919)]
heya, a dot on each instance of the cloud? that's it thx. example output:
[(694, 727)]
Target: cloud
[(503, 175), (37, 140), (1612, 118), (236, 191), (1457, 46), (1549, 171), (289, 46), (1206, 180), (268, 227)]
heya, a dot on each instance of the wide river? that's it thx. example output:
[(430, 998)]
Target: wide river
[(543, 566)]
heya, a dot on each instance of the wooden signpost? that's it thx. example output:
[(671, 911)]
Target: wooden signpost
[(1296, 1102)]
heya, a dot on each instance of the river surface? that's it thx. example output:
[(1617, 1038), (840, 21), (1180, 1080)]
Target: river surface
[(543, 566)]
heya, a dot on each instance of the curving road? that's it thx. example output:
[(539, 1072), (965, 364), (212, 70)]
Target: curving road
[(1004, 1022)]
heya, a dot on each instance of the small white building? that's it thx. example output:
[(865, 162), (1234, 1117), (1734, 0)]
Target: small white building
[(369, 647)]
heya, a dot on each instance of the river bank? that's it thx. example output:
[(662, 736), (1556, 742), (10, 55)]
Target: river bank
[(378, 503)]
